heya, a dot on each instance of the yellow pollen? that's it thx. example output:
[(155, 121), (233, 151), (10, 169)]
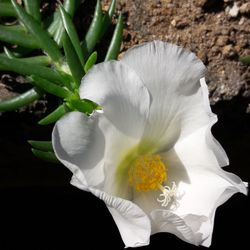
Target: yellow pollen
[(147, 172)]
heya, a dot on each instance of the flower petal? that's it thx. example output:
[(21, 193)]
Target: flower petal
[(200, 180), (121, 93), (79, 144), (132, 222), (172, 76), (167, 221)]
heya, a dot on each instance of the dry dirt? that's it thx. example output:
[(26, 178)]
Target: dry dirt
[(217, 31)]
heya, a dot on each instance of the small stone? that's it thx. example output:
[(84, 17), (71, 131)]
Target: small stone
[(200, 3), (242, 20), (222, 40), (234, 11), (245, 8), (228, 51), (173, 22)]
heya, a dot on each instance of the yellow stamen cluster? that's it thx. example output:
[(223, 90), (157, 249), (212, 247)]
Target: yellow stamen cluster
[(147, 172)]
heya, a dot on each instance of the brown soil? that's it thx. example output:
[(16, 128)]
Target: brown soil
[(207, 27)]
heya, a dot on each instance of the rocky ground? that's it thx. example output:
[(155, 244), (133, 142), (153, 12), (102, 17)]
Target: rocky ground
[(217, 31)]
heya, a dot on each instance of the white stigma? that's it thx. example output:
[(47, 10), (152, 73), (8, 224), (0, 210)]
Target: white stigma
[(168, 194)]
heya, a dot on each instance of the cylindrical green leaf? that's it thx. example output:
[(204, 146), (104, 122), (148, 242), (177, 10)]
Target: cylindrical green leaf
[(70, 7), (41, 60), (114, 47), (41, 145), (82, 106), (6, 9), (71, 31), (20, 100), (50, 87), (54, 116), (42, 36), (94, 31), (73, 61), (111, 9), (32, 7), (90, 62), (25, 68), (46, 156), (245, 60), (18, 37)]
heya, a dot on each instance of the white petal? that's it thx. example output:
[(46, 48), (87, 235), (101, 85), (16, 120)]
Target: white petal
[(167, 221), (132, 222), (172, 76), (194, 164), (79, 144), (121, 93)]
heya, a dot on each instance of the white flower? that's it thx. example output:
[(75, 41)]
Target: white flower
[(150, 156)]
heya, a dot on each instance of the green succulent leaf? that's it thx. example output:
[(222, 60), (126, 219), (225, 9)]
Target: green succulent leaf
[(20, 100), (111, 9), (245, 60), (114, 47), (6, 9), (94, 31), (57, 27), (50, 87), (54, 116), (90, 62), (41, 145), (71, 31), (32, 7), (73, 62), (41, 60), (41, 35), (46, 156), (18, 37), (107, 18), (26, 68), (82, 106)]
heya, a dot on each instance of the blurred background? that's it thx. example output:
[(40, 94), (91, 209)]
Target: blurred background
[(38, 207)]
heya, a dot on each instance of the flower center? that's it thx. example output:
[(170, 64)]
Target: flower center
[(148, 172)]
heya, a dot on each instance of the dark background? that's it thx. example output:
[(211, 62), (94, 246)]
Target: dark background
[(39, 209)]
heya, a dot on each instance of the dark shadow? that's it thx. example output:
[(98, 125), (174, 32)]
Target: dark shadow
[(233, 132), (213, 6)]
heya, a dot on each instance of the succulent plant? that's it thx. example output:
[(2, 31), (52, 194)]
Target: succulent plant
[(64, 57)]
